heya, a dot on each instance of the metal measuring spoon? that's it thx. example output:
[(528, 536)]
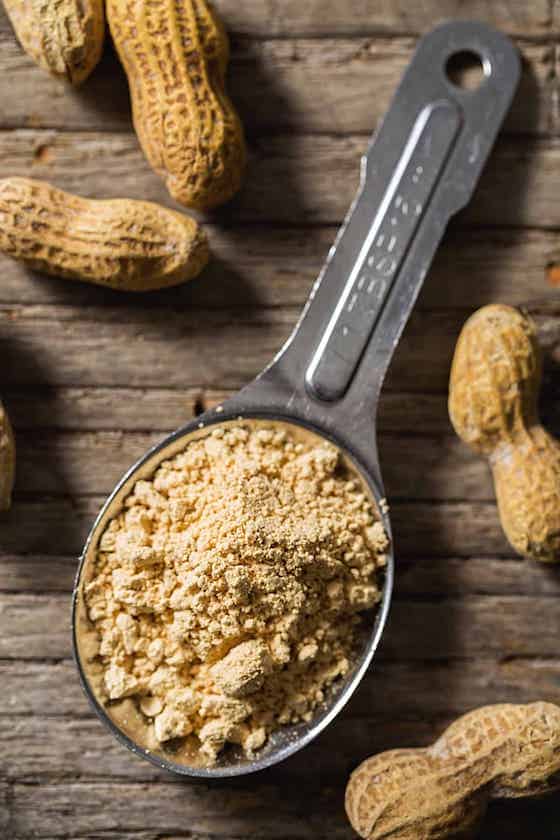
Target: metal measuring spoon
[(420, 169)]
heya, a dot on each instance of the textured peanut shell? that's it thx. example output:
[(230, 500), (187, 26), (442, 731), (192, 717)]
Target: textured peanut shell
[(493, 392), (65, 37), (175, 54), (130, 245), (7, 460), (496, 752)]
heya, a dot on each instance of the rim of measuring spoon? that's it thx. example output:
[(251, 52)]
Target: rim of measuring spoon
[(345, 690)]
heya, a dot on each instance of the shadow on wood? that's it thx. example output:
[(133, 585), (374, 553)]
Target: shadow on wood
[(106, 91), (529, 819), (290, 173), (15, 353)]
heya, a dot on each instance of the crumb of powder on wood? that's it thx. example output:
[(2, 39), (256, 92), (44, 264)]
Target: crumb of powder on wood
[(226, 595)]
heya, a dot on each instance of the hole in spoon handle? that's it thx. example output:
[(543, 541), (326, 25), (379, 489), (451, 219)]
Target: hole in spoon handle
[(380, 257), (421, 168)]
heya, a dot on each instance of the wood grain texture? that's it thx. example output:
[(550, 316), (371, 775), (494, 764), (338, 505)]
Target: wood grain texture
[(29, 742), (59, 525), (439, 468), (91, 378), (266, 812), (268, 266), (285, 177), (328, 17), (418, 576), (138, 347), (323, 18), (162, 410), (78, 808), (38, 626), (335, 85), (395, 692)]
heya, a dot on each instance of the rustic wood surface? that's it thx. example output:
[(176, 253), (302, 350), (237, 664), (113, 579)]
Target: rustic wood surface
[(92, 378)]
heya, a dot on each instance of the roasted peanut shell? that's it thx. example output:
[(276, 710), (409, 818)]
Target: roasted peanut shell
[(496, 752), (130, 245), (65, 37), (175, 54), (493, 393)]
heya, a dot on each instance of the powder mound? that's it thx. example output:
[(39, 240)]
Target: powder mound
[(226, 595)]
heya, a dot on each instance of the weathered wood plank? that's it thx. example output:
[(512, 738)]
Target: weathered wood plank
[(259, 810), (325, 17), (256, 809), (285, 180), (415, 468), (48, 526), (39, 749), (309, 85), (33, 688), (127, 409), (471, 626), (82, 463), (269, 266), (142, 348), (417, 577), (162, 410), (59, 526), (77, 463), (5, 807), (37, 573), (430, 691), (34, 627), (434, 576), (36, 749), (361, 17), (51, 749), (449, 529), (37, 626), (392, 691), (106, 809)]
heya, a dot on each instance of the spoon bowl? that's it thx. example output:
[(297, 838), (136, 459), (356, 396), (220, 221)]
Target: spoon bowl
[(288, 739)]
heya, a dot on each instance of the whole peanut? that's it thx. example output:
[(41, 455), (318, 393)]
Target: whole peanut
[(496, 752), (64, 37), (175, 54), (130, 245), (493, 392), (7, 459)]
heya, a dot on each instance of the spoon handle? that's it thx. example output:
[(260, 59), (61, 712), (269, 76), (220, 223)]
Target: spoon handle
[(421, 168), (371, 253)]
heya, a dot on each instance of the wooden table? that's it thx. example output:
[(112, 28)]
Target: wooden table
[(92, 378)]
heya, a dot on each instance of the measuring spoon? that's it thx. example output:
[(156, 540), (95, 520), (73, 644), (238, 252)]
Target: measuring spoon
[(420, 169)]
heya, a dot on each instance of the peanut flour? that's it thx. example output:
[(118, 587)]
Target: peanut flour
[(226, 596)]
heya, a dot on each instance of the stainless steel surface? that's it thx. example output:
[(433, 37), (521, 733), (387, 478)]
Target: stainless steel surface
[(420, 169), (403, 207)]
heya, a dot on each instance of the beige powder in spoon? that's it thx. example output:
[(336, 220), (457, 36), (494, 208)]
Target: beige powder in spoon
[(226, 595)]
